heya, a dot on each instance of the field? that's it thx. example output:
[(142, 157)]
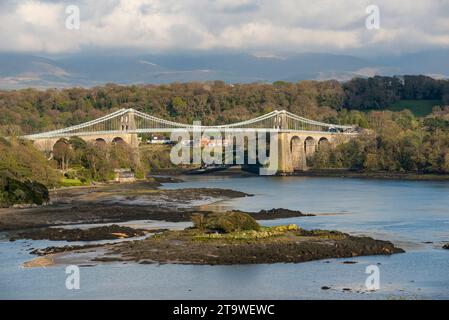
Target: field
[(420, 108)]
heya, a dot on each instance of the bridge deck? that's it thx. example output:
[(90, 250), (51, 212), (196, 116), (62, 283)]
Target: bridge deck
[(130, 121)]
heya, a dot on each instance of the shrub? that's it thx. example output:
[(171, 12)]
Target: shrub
[(139, 173), (71, 174), (18, 192), (230, 222), (73, 182)]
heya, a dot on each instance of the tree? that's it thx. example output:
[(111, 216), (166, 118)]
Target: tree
[(63, 153), (97, 162)]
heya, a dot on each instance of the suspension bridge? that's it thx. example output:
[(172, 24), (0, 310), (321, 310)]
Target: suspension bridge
[(298, 137)]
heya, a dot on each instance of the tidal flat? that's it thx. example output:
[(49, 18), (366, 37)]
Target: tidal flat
[(145, 200), (410, 215)]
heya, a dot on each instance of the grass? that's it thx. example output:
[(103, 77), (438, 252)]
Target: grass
[(72, 183), (247, 235), (419, 108)]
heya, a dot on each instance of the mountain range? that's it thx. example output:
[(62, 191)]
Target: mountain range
[(87, 70)]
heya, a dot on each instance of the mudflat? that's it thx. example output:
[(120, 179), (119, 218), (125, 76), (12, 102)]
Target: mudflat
[(146, 201), (112, 203), (281, 244)]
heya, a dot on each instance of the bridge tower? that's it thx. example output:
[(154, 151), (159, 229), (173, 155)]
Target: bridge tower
[(297, 137), (128, 123), (285, 165), (291, 152)]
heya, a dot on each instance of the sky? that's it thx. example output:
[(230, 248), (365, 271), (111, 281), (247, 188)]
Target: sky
[(259, 27)]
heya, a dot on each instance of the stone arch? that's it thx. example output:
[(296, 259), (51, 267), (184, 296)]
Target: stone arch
[(250, 146), (100, 142), (297, 153), (62, 152), (323, 142), (263, 145), (294, 141), (309, 146), (118, 141), (57, 142)]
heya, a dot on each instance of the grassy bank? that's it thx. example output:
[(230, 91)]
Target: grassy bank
[(420, 108)]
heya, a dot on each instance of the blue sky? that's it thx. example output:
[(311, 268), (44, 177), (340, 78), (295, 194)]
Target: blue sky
[(259, 27)]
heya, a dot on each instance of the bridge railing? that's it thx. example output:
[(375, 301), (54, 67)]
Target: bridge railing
[(144, 123)]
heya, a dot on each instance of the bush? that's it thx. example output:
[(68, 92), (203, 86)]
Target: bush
[(73, 182), (139, 173), (71, 174), (230, 222), (29, 192)]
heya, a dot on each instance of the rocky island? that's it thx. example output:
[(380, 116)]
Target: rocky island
[(233, 238), (215, 237)]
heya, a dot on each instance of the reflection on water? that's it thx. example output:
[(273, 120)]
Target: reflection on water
[(414, 215)]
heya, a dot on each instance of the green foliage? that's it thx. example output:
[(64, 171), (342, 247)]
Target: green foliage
[(85, 162), (228, 222), (399, 141), (27, 192), (419, 108), (24, 172), (73, 182), (372, 93), (155, 157), (400, 144), (418, 93), (213, 102), (21, 161), (176, 104), (434, 124)]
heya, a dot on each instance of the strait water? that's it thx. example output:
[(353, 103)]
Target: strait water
[(413, 215)]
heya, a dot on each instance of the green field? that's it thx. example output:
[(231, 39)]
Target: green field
[(420, 108), (73, 183)]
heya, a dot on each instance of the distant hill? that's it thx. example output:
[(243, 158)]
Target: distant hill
[(22, 70)]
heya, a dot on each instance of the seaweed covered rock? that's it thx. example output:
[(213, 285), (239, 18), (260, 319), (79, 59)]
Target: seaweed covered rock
[(22, 192), (92, 234), (226, 222)]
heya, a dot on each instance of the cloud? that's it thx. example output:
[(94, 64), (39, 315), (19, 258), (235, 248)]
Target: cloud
[(243, 25), (236, 6), (255, 35)]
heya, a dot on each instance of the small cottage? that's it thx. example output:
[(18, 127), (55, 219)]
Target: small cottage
[(124, 176)]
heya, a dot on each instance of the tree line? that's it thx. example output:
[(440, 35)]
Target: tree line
[(380, 92), (28, 111), (397, 142)]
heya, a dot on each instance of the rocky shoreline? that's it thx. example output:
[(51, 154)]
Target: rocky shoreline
[(276, 213), (112, 204), (120, 203), (291, 247), (111, 232), (284, 244), (205, 243)]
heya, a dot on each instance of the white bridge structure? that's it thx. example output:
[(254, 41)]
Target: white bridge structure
[(298, 137)]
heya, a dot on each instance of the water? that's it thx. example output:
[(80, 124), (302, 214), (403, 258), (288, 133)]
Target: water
[(411, 214)]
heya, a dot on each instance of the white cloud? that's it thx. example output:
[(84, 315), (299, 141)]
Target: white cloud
[(255, 35), (246, 25)]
